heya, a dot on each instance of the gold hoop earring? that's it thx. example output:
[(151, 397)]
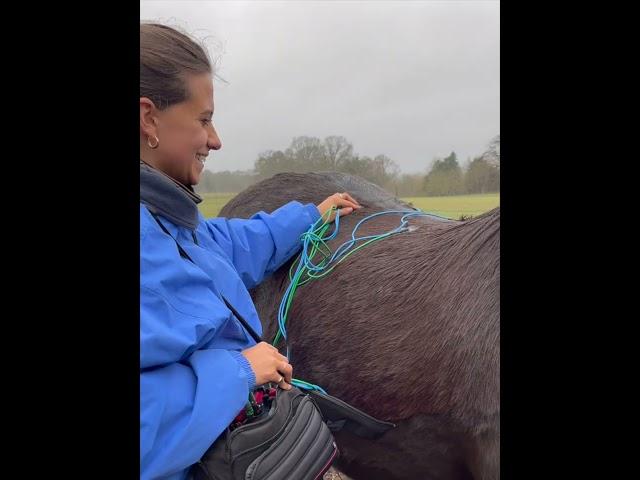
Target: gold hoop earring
[(156, 144)]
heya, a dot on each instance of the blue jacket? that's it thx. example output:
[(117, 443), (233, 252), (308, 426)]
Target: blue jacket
[(193, 379)]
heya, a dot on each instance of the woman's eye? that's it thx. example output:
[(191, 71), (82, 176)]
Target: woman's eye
[(205, 121)]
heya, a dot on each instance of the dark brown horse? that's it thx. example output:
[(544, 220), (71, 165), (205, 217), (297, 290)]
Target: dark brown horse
[(406, 329)]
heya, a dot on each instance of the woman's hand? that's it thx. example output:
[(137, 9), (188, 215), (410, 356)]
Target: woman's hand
[(342, 201), (268, 365)]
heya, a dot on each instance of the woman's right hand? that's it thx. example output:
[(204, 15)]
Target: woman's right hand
[(343, 202), (268, 365)]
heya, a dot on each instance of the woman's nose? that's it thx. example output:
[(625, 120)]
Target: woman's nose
[(213, 142)]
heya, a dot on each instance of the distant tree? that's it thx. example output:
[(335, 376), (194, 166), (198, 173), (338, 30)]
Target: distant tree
[(383, 171), (409, 185), (356, 166), (308, 154), (482, 177), (338, 150), (492, 154), (226, 182), (445, 177), (271, 162)]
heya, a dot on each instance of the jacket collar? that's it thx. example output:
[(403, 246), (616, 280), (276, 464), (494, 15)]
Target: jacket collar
[(165, 196)]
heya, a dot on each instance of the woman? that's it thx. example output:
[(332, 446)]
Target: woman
[(197, 362)]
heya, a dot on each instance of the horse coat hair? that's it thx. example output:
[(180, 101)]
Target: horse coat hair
[(406, 329)]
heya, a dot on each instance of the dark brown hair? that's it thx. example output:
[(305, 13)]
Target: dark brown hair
[(167, 56)]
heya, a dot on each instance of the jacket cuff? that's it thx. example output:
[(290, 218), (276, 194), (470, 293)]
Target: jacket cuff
[(246, 368), (313, 212)]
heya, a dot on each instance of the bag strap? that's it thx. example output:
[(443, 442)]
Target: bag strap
[(235, 312)]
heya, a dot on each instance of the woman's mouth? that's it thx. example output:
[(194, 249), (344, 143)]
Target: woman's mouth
[(201, 157)]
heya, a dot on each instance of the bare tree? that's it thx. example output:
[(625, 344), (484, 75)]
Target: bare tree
[(338, 150), (492, 155), (308, 153)]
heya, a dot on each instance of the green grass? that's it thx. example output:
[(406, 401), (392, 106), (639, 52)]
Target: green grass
[(213, 202), (451, 207), (458, 205)]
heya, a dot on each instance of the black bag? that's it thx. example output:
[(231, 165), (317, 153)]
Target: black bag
[(289, 441)]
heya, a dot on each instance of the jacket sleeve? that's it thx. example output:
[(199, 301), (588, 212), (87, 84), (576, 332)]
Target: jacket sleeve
[(184, 405), (257, 247)]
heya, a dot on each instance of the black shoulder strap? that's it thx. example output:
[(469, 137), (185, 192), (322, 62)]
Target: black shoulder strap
[(186, 256), (183, 254), (245, 324)]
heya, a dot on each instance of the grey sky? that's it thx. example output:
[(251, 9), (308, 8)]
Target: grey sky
[(409, 79)]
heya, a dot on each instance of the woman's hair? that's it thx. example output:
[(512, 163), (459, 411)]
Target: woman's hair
[(167, 56)]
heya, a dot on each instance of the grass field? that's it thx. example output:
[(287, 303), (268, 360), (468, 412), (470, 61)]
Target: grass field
[(451, 207), (458, 205), (213, 203)]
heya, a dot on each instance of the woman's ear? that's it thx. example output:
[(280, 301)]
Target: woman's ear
[(148, 114)]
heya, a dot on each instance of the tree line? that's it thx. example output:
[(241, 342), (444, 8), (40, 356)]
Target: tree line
[(444, 176)]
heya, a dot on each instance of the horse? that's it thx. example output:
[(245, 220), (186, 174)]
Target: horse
[(407, 329)]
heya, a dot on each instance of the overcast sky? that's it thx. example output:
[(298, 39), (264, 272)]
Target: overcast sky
[(412, 80)]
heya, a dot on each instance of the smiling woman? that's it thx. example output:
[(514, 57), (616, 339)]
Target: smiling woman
[(176, 108), (197, 363)]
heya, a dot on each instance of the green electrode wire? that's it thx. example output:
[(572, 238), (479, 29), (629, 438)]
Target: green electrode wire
[(314, 243), (319, 245)]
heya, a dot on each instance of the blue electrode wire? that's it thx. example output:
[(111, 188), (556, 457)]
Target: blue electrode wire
[(313, 241)]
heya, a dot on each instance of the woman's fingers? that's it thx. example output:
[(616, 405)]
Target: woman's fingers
[(283, 376), (283, 371), (351, 199), (286, 370), (345, 200)]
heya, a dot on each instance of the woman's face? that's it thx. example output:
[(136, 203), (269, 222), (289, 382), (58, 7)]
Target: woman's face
[(186, 133)]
